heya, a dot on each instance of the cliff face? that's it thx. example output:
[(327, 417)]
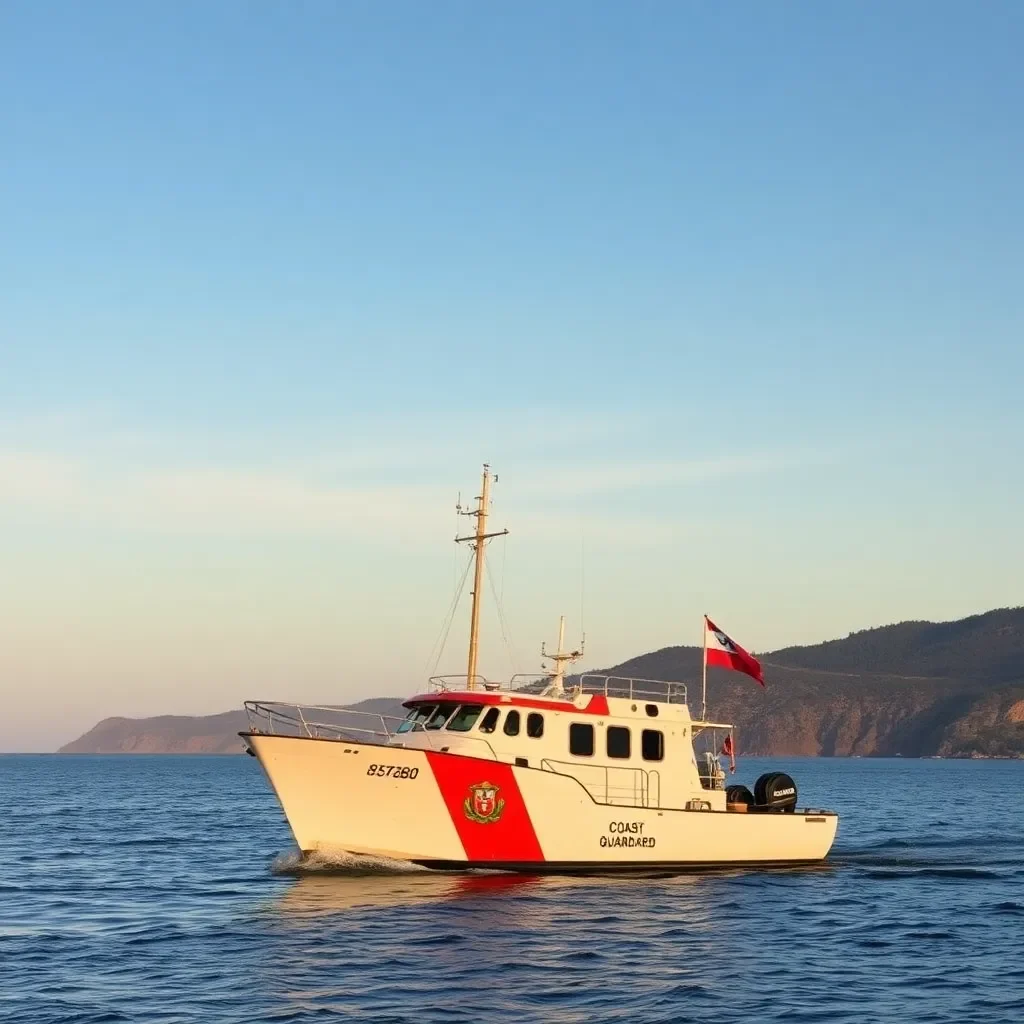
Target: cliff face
[(185, 734), (917, 689), (165, 734)]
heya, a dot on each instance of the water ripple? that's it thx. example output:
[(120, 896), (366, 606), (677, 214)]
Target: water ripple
[(167, 892)]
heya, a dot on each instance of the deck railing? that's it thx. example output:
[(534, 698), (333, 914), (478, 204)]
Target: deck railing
[(628, 687), (334, 722), (611, 784), (634, 689), (320, 721)]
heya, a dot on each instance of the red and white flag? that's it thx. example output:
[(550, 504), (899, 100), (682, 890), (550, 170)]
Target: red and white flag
[(724, 652), (729, 750)]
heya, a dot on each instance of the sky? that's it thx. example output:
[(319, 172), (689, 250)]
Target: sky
[(731, 296)]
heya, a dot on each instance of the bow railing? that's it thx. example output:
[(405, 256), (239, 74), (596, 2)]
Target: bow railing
[(320, 721)]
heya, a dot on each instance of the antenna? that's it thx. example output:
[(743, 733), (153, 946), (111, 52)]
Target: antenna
[(556, 687)]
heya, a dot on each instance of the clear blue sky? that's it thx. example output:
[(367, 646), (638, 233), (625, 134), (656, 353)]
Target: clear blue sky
[(732, 295)]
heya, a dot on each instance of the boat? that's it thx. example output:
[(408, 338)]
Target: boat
[(557, 774)]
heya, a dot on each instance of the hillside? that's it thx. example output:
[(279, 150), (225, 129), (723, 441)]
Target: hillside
[(917, 689), (186, 734)]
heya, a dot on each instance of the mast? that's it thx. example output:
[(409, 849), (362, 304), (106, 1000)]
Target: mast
[(477, 539)]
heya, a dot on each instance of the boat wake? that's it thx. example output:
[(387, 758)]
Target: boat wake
[(322, 862), (899, 858)]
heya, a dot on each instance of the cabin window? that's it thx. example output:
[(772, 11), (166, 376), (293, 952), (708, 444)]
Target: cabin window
[(417, 717), (490, 720), (581, 740), (463, 719), (439, 717), (618, 741), (652, 745), (652, 710), (512, 723), (535, 725)]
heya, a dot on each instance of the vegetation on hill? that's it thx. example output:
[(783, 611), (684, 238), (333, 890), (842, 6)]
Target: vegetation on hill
[(954, 689), (917, 689)]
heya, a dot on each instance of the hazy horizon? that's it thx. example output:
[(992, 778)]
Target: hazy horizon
[(729, 297)]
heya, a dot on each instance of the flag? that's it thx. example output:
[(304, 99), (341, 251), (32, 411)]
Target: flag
[(729, 751), (720, 650)]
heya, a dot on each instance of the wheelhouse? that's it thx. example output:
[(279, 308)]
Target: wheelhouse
[(626, 741)]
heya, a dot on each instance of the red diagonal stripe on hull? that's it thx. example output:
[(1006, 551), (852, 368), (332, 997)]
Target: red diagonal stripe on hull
[(510, 837)]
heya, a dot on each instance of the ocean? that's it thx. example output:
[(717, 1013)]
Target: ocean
[(164, 889)]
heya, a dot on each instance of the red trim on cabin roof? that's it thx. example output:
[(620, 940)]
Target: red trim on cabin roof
[(597, 705)]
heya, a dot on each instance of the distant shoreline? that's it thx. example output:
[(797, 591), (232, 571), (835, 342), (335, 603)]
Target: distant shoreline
[(914, 689)]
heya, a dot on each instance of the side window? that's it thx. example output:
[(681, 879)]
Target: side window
[(652, 745), (581, 740), (512, 723), (618, 741), (490, 720), (534, 725)]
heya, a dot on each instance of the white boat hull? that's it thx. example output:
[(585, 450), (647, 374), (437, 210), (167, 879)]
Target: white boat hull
[(453, 812)]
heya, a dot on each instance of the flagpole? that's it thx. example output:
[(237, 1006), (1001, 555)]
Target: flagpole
[(704, 682)]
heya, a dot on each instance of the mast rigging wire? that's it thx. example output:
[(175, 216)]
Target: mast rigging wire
[(583, 568), (446, 625), (502, 622)]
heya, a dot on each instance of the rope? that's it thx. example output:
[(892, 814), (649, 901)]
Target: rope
[(446, 625), (504, 560), (505, 631), (583, 567)]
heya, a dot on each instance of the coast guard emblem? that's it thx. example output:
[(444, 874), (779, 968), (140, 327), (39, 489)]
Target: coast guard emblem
[(483, 805)]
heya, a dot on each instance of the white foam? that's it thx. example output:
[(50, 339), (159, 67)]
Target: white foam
[(340, 862)]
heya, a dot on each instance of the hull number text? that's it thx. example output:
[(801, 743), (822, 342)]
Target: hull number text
[(392, 771)]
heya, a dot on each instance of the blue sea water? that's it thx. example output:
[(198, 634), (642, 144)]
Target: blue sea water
[(160, 889)]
